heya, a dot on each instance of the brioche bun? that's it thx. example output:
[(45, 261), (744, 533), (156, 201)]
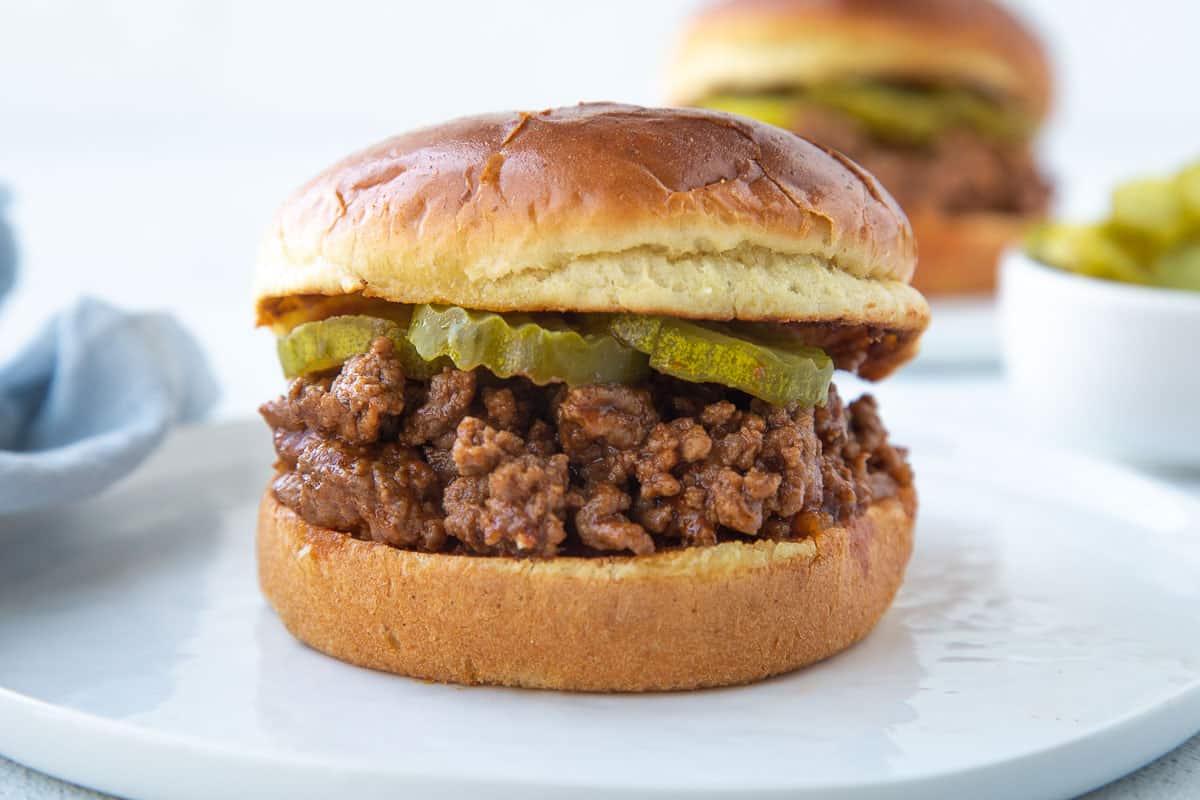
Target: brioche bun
[(748, 45), (603, 208), (683, 619)]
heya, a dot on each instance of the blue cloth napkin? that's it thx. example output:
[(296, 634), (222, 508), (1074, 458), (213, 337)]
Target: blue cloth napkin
[(90, 397), (8, 249)]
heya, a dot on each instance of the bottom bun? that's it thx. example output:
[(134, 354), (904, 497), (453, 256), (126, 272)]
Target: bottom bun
[(957, 255), (682, 619)]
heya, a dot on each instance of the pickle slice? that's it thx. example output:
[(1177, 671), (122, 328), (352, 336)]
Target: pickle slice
[(1152, 235), (1188, 184), (773, 109), (1152, 207), (900, 114), (545, 350), (328, 343), (705, 354), (918, 116), (1093, 250), (1180, 268)]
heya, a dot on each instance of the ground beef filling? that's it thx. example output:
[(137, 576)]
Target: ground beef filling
[(470, 463), (959, 172)]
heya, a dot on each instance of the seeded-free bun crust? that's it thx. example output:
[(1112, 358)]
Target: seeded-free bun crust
[(602, 208), (684, 619), (754, 45)]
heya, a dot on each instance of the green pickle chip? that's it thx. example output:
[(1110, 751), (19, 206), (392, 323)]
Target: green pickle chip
[(772, 371), (903, 114), (543, 349), (1180, 268), (328, 343), (1096, 251), (1151, 207), (1151, 236), (918, 116), (1188, 186), (773, 109), (771, 365)]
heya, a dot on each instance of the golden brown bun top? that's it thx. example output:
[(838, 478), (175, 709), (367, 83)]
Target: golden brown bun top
[(601, 208), (769, 44)]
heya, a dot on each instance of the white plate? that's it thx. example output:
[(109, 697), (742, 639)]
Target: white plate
[(962, 333), (1047, 641)]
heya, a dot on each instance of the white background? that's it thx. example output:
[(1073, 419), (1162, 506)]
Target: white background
[(146, 142)]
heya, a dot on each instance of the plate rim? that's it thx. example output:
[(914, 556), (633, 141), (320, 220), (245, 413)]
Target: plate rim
[(1142, 732)]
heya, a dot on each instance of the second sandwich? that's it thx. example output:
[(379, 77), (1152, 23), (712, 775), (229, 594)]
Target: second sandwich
[(940, 99)]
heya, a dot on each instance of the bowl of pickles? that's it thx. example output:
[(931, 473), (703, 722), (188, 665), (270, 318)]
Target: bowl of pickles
[(1101, 325)]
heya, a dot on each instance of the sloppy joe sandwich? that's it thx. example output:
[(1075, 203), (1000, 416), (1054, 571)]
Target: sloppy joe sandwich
[(562, 412), (940, 99)]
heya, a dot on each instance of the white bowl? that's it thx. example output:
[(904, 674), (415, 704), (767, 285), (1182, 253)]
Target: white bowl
[(1106, 367)]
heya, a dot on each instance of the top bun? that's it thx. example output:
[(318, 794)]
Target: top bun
[(604, 208), (741, 45)]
